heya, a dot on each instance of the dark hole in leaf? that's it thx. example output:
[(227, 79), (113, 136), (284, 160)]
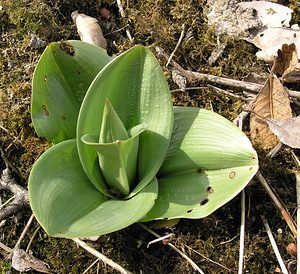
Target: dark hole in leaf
[(46, 112), (78, 72), (203, 202), (250, 168), (199, 170), (64, 117), (253, 158), (189, 211), (231, 174), (45, 78), (67, 48), (209, 189), (295, 35), (261, 35)]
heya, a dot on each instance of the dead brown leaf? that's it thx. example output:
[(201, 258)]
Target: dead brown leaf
[(286, 65), (272, 102), (23, 262), (287, 130)]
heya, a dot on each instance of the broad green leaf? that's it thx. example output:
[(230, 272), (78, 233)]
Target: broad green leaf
[(61, 79), (67, 205), (136, 87), (209, 162)]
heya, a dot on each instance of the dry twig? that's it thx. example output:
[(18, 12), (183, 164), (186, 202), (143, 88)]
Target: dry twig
[(278, 203), (197, 76), (121, 10), (20, 201), (274, 246), (196, 267), (298, 219), (101, 256), (177, 45)]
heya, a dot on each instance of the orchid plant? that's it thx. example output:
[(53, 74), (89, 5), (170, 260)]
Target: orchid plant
[(122, 153)]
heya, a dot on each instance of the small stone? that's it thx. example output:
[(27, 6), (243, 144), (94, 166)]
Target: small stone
[(36, 42)]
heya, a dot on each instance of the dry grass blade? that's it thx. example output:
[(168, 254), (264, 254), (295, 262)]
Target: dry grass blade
[(196, 267), (278, 203), (101, 257), (298, 219), (242, 234), (271, 102), (210, 260), (274, 246)]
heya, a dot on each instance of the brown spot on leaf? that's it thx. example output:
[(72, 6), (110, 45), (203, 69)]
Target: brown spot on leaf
[(209, 189), (204, 201), (46, 112), (45, 78), (67, 48), (232, 174)]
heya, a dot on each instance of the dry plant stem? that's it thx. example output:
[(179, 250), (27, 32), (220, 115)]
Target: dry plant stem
[(239, 123), (197, 76), (92, 264), (160, 239), (6, 248), (101, 257), (196, 267), (21, 196), (275, 150), (210, 260), (121, 10), (278, 203), (31, 239), (274, 246), (242, 234), (24, 232), (298, 220), (177, 45)]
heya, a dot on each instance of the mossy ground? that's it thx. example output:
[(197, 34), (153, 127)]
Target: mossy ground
[(152, 23)]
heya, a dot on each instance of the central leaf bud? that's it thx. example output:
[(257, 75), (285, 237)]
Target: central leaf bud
[(117, 151)]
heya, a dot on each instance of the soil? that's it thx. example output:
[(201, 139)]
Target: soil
[(213, 242)]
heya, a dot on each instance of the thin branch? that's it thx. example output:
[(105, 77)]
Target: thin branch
[(177, 45), (298, 219), (92, 264), (101, 256), (275, 150), (121, 10), (7, 182), (274, 246), (24, 232), (193, 76), (278, 203), (31, 238), (160, 239), (242, 234), (196, 267), (6, 248)]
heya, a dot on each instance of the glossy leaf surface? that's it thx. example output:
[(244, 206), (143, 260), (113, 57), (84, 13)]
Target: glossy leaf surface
[(67, 205), (61, 79), (136, 87), (209, 162)]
